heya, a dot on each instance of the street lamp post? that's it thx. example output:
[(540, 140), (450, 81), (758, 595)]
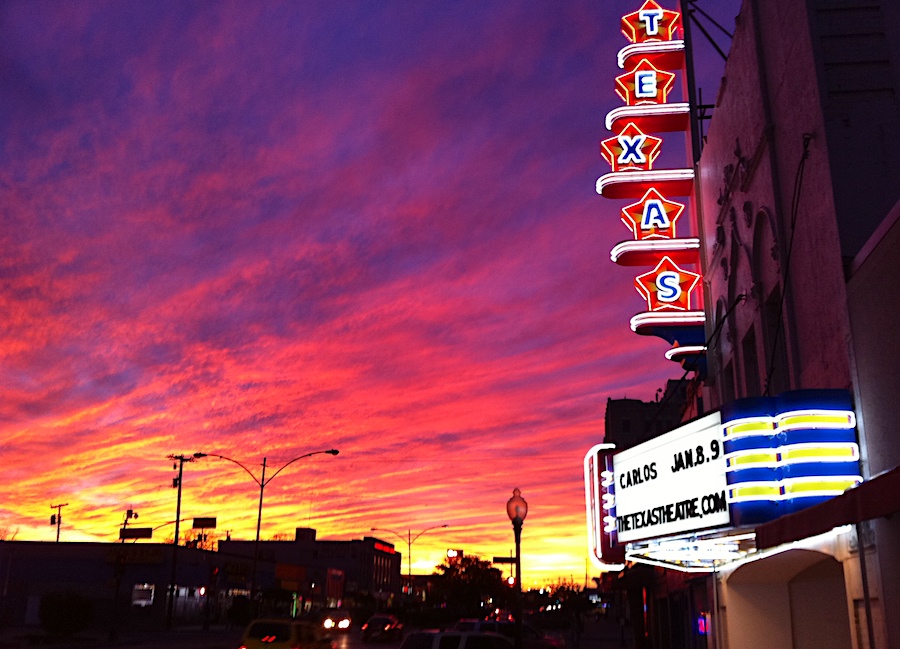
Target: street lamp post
[(410, 539), (262, 482), (179, 460), (517, 509)]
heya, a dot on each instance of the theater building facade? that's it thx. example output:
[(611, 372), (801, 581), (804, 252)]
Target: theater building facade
[(766, 517)]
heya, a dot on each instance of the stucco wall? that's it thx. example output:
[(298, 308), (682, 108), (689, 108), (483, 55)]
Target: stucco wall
[(769, 108)]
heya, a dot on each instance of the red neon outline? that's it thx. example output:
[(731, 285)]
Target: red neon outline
[(625, 84), (666, 55), (633, 214), (611, 150), (635, 30), (646, 286)]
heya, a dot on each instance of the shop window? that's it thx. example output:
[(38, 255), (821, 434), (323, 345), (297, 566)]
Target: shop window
[(142, 595)]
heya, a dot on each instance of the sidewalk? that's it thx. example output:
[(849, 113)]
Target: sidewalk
[(603, 633)]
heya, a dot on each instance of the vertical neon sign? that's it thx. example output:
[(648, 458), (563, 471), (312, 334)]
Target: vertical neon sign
[(670, 290), (651, 59)]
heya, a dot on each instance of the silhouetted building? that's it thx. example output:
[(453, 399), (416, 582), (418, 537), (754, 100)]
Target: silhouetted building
[(322, 573), (126, 584), (630, 422)]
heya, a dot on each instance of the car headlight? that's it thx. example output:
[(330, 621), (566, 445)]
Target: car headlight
[(328, 624), (344, 624)]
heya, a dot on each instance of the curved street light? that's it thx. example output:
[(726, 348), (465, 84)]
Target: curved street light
[(410, 539), (262, 482)]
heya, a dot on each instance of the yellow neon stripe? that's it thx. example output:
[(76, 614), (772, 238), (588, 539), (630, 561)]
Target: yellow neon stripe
[(750, 427), (836, 486), (754, 458), (819, 453), (758, 490), (799, 421)]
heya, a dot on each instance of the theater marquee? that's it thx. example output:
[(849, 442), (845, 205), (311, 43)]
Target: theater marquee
[(672, 484), (689, 499)]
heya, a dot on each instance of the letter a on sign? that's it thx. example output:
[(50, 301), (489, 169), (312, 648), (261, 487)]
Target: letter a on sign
[(652, 217), (655, 216)]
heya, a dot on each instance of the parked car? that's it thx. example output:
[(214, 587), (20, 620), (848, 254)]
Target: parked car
[(532, 637), (380, 628), (455, 640), (284, 634), (335, 619)]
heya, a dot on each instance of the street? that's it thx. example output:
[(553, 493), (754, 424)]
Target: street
[(191, 637), (598, 634)]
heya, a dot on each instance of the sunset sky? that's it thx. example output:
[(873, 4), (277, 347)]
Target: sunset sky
[(269, 228)]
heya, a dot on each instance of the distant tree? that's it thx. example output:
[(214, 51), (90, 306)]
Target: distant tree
[(203, 540), (8, 534), (471, 586)]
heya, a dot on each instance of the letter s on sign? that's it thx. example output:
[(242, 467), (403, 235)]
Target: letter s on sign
[(668, 286)]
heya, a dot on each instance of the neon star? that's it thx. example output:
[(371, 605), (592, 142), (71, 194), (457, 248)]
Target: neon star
[(645, 84), (631, 149), (652, 217), (667, 287), (651, 23)]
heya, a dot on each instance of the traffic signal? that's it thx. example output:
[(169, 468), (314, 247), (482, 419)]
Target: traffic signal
[(53, 519)]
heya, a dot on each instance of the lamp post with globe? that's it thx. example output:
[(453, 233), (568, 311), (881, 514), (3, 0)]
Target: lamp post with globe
[(517, 509)]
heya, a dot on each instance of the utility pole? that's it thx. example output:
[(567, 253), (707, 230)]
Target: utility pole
[(179, 461), (56, 519)]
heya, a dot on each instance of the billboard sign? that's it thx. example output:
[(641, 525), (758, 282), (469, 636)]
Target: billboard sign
[(672, 484), (136, 533)]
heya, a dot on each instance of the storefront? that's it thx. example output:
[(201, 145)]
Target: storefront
[(760, 502)]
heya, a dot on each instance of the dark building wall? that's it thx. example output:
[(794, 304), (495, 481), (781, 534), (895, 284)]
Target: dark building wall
[(876, 346), (858, 72), (629, 422), (104, 573)]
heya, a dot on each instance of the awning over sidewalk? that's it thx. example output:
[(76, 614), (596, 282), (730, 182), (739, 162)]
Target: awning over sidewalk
[(874, 498)]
